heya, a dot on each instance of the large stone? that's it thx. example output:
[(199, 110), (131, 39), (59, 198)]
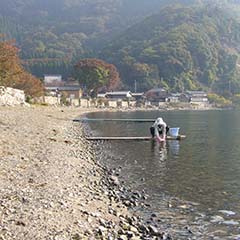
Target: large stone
[(154, 231), (114, 180)]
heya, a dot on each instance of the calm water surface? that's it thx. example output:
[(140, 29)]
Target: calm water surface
[(203, 169)]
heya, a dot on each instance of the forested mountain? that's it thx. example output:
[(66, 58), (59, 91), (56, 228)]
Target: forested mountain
[(180, 47), (53, 33)]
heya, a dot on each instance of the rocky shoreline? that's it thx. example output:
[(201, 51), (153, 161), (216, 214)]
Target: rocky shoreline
[(52, 186)]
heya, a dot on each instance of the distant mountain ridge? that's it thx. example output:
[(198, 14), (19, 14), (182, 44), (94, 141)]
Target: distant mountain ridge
[(92, 17)]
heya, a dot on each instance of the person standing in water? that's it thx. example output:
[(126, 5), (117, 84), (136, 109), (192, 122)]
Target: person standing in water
[(159, 130)]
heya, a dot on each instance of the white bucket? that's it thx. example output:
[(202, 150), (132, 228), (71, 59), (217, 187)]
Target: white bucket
[(174, 132)]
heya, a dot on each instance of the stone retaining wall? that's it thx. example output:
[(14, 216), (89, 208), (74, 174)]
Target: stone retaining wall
[(11, 96)]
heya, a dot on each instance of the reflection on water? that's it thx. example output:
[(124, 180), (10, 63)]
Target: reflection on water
[(159, 149), (204, 168), (174, 147)]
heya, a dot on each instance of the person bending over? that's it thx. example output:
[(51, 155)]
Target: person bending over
[(159, 130)]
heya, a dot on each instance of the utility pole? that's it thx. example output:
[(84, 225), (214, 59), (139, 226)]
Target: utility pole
[(229, 86), (161, 82), (135, 85)]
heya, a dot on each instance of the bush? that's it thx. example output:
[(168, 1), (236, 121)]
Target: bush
[(236, 100), (219, 101)]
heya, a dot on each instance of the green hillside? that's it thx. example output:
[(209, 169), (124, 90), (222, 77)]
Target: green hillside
[(180, 48)]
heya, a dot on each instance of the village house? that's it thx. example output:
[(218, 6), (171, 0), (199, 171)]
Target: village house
[(119, 99), (72, 92), (156, 96), (55, 87), (119, 95), (178, 97), (174, 98), (138, 96), (197, 97), (52, 79)]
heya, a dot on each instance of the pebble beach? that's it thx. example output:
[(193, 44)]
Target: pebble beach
[(52, 187)]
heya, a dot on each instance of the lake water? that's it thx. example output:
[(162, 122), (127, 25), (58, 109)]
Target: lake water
[(193, 182)]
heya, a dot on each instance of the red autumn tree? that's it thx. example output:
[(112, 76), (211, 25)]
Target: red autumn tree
[(95, 74), (12, 73), (10, 67), (31, 85)]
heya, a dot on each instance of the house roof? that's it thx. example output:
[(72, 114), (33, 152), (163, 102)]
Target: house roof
[(157, 90), (196, 93), (101, 94), (64, 88), (137, 94), (118, 93), (175, 94), (157, 93), (52, 78), (178, 95), (53, 75)]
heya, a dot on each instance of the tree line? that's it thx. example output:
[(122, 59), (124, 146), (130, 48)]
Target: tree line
[(93, 74)]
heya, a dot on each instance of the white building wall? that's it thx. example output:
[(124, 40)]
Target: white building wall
[(112, 104), (132, 103), (52, 78), (84, 103), (75, 102), (125, 104), (92, 103), (173, 99), (199, 100), (52, 100)]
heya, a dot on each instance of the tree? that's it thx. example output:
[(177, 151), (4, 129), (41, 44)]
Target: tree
[(31, 85), (12, 73), (10, 67), (95, 74)]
